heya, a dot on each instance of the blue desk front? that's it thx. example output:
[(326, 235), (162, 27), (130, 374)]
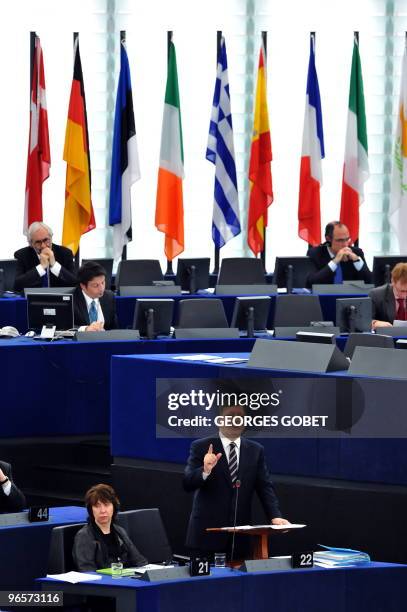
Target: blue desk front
[(24, 548), (13, 310), (379, 587), (133, 427)]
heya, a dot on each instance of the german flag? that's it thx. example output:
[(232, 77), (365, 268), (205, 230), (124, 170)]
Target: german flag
[(78, 214)]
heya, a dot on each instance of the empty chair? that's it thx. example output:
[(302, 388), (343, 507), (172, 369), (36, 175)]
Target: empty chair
[(293, 310), (60, 558), (241, 271), (138, 272), (376, 340), (107, 264), (146, 530), (205, 312)]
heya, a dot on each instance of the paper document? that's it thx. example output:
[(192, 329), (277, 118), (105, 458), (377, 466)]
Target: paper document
[(150, 566), (274, 527), (74, 577), (196, 357)]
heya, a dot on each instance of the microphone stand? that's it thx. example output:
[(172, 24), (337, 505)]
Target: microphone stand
[(237, 487)]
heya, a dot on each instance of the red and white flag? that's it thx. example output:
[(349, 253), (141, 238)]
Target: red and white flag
[(39, 156)]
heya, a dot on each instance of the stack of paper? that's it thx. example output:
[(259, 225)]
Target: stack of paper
[(339, 557)]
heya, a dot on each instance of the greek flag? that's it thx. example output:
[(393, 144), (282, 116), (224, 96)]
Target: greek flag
[(220, 151)]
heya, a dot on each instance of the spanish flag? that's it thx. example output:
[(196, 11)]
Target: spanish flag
[(78, 214), (261, 187)]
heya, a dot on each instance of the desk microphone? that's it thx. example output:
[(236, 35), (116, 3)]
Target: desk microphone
[(236, 486)]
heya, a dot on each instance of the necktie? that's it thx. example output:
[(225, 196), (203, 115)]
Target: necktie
[(401, 309), (232, 462), (338, 278), (93, 313), (44, 279)]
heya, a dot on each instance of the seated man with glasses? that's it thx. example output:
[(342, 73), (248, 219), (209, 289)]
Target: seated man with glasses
[(42, 263), (336, 260)]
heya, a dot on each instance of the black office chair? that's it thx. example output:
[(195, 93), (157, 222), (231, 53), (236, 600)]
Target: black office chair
[(241, 271), (291, 310), (9, 273), (146, 530), (376, 340), (138, 272), (205, 312), (60, 558), (107, 264)]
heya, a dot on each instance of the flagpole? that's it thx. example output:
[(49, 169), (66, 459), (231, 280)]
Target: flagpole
[(122, 39), (217, 249), (33, 36), (312, 37), (77, 256), (263, 253), (169, 269)]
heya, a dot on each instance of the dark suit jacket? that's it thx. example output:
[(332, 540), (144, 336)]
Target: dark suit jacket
[(322, 273), (383, 303), (15, 502), (214, 498), (27, 275), (107, 303)]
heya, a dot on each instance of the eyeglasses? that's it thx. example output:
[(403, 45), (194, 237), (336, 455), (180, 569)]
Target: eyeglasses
[(43, 241), (344, 240)]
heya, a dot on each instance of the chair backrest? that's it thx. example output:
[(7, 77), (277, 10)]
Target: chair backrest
[(377, 340), (297, 310), (138, 272), (60, 558), (107, 264), (146, 530), (9, 273), (205, 312), (241, 271)]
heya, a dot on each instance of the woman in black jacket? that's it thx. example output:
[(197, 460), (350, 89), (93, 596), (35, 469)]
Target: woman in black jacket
[(102, 541)]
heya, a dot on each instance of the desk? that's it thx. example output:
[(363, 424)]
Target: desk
[(379, 587), (24, 548), (133, 417)]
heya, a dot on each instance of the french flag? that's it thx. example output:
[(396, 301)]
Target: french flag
[(309, 213)]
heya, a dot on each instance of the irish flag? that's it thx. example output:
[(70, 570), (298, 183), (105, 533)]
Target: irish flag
[(398, 200), (261, 187), (309, 213), (356, 166), (169, 212)]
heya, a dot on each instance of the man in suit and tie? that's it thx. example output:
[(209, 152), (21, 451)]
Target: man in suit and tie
[(389, 300), (42, 263), (11, 498), (336, 260), (94, 305), (217, 470)]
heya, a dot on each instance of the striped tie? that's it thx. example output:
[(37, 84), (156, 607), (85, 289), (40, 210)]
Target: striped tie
[(232, 462)]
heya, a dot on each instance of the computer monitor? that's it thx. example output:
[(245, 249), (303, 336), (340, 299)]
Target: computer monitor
[(193, 274), (153, 317), (9, 267), (354, 314), (291, 272), (251, 313), (50, 309), (382, 267)]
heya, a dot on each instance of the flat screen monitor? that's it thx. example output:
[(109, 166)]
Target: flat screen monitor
[(9, 273), (50, 309), (382, 267), (354, 314), (193, 274), (153, 317), (251, 313), (292, 272)]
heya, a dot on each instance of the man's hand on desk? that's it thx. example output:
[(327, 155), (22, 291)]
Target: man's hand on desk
[(210, 460), (280, 521), (95, 326)]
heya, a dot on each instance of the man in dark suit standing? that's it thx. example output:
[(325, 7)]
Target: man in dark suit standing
[(11, 498), (94, 306), (389, 300), (335, 260), (42, 263), (214, 467)]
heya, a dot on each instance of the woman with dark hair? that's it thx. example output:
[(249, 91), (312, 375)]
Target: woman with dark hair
[(102, 541)]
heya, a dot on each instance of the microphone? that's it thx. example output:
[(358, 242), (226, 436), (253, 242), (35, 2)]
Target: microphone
[(236, 486)]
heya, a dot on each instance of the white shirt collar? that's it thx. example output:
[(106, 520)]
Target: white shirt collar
[(89, 300), (226, 441)]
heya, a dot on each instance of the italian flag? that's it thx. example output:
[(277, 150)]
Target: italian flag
[(169, 213), (356, 165)]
